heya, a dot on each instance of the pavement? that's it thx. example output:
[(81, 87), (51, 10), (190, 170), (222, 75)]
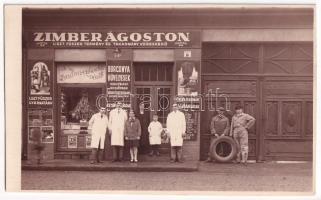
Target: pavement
[(84, 165), (209, 177)]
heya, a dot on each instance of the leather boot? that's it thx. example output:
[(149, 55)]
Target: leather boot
[(100, 156), (244, 158), (93, 156)]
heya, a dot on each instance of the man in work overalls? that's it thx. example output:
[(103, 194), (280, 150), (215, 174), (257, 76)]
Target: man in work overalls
[(241, 122)]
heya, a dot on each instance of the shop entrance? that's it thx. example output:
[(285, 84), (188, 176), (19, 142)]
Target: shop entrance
[(153, 90)]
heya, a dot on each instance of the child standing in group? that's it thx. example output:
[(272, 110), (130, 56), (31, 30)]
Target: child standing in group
[(132, 134), (155, 129)]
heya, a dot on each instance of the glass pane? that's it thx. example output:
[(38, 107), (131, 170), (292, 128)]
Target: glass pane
[(163, 104), (138, 75), (78, 103)]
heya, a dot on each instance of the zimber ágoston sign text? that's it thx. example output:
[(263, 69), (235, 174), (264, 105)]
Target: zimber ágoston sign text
[(115, 39)]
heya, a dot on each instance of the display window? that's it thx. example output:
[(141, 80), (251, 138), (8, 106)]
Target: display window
[(79, 87)]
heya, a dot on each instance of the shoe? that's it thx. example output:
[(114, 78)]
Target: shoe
[(180, 161), (157, 154), (208, 160), (172, 161), (244, 163), (131, 160), (100, 161), (136, 161), (92, 162), (115, 160)]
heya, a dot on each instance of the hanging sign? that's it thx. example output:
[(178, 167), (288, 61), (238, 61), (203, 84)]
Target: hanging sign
[(40, 84), (118, 83), (104, 39)]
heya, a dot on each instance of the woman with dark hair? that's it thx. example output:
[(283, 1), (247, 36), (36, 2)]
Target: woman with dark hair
[(132, 135)]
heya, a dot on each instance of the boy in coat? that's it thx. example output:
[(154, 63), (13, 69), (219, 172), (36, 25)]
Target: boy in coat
[(155, 129)]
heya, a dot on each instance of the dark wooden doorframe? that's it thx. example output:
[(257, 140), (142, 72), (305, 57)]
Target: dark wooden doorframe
[(153, 92)]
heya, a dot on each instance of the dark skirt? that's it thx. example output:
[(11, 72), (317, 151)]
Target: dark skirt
[(132, 143)]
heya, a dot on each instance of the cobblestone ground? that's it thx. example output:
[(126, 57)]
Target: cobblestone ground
[(211, 177)]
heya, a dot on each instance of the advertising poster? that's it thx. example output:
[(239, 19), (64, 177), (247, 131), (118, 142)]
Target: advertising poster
[(88, 141), (191, 125), (188, 77), (188, 94), (34, 134), (40, 81), (118, 83), (72, 141), (47, 134)]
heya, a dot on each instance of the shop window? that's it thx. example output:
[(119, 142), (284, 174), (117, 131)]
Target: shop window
[(78, 103), (162, 71)]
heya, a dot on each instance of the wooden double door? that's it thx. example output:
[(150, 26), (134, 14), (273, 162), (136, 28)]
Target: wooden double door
[(150, 100), (282, 107)]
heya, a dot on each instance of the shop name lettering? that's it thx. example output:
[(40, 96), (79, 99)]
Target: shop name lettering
[(111, 37), (113, 69), (40, 100)]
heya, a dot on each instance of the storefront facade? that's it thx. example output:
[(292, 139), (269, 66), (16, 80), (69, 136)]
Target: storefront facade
[(77, 60)]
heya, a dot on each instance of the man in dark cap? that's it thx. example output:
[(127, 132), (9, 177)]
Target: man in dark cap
[(220, 126)]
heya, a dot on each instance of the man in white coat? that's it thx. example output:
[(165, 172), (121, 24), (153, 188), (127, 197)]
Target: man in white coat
[(98, 123), (117, 119), (176, 126)]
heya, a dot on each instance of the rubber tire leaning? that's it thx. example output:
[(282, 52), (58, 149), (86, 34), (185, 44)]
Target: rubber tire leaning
[(219, 158)]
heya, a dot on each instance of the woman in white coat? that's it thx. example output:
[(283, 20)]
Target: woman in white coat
[(117, 119), (176, 126), (98, 123)]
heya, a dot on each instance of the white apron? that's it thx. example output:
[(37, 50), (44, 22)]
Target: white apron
[(117, 125), (155, 131), (98, 130), (176, 125)]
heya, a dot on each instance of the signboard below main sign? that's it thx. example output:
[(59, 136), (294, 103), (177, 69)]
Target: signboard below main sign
[(75, 73), (177, 39)]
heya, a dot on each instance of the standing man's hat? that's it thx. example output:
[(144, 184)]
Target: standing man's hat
[(174, 104), (221, 109), (238, 107)]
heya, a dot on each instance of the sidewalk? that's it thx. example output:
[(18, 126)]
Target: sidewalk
[(84, 165), (191, 176)]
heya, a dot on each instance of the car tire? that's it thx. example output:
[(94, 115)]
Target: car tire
[(224, 139)]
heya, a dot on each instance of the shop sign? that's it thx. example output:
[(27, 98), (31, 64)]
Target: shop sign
[(105, 39), (84, 73), (40, 84), (118, 83)]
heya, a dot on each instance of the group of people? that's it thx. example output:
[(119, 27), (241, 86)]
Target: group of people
[(238, 129), (127, 131)]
